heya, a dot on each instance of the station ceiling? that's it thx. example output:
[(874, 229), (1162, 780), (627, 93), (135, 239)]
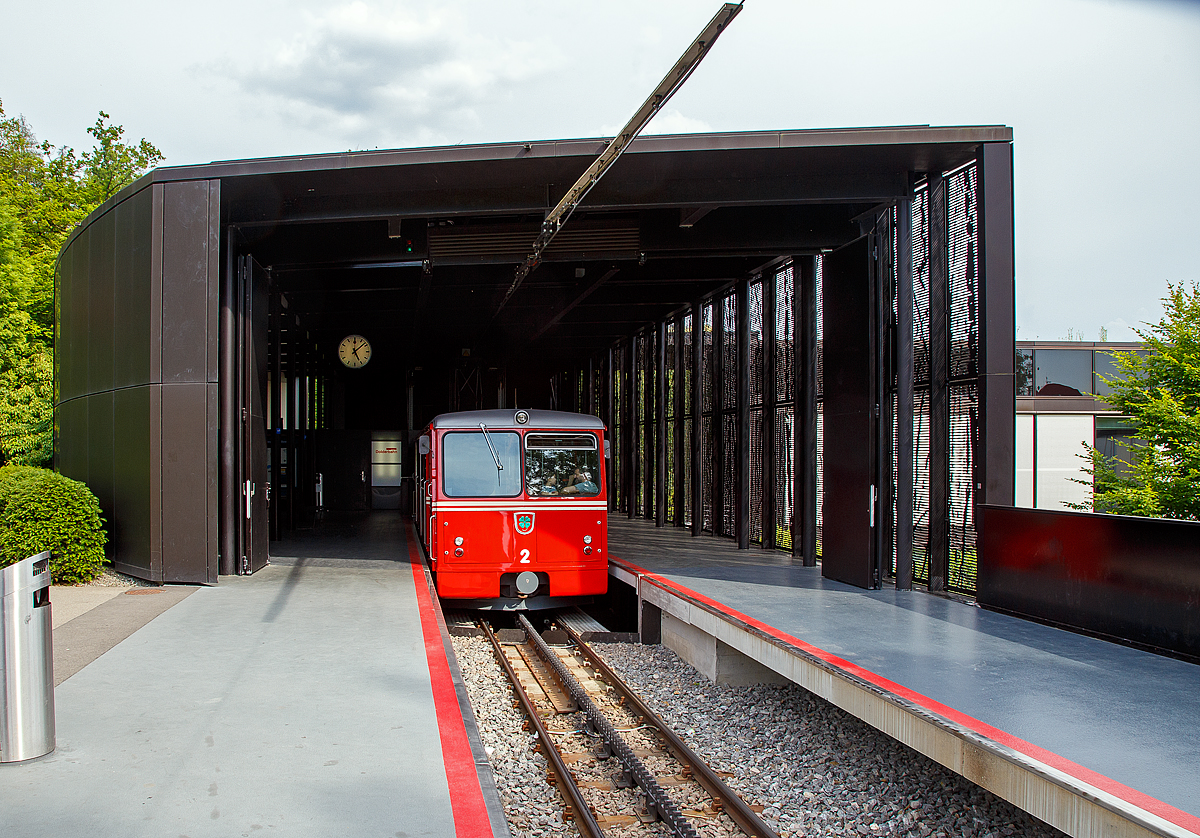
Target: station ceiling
[(425, 242)]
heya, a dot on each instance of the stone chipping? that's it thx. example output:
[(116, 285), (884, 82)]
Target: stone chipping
[(815, 769)]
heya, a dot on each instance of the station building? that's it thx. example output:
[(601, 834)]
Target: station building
[(1060, 390), (773, 325)]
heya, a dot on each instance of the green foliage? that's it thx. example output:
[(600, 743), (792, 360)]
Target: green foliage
[(112, 164), (45, 190), (42, 510), (26, 366), (1161, 391)]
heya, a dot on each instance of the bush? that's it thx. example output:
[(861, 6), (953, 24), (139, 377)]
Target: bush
[(42, 510)]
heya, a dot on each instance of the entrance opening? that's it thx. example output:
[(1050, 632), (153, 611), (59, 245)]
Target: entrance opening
[(372, 327)]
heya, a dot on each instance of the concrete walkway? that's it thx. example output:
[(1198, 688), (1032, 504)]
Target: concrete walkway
[(293, 702)]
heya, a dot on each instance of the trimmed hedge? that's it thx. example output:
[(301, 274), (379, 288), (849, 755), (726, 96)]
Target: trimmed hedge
[(42, 510)]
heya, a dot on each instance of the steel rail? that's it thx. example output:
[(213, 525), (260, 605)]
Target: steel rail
[(581, 812), (734, 806), (667, 810), (673, 80)]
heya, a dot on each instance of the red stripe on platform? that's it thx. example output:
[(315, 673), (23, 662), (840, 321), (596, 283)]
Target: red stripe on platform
[(466, 796), (1130, 795)]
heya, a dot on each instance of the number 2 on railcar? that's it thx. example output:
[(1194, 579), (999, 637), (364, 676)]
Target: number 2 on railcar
[(512, 509)]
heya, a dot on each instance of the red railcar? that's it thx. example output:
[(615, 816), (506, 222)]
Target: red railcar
[(512, 507)]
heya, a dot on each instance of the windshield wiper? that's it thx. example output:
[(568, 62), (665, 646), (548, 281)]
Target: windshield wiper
[(488, 439)]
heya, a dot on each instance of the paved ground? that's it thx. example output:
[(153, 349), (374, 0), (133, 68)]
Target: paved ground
[(294, 702), (89, 620)]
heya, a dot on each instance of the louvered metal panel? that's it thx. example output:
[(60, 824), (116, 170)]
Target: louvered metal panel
[(505, 244)]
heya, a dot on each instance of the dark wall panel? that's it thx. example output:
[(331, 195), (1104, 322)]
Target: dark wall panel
[(100, 434), (185, 543), (849, 421), (71, 451), (131, 479), (212, 475), (75, 321), (1137, 579), (131, 297), (214, 278), (101, 323), (998, 321), (185, 282)]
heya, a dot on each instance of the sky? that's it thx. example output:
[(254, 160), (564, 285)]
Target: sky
[(1103, 97)]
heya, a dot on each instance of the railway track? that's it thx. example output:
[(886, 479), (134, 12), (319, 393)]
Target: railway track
[(618, 768)]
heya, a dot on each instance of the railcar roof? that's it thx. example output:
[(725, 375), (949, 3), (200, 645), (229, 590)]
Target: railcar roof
[(538, 420)]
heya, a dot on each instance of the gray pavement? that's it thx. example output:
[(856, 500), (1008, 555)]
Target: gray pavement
[(294, 702)]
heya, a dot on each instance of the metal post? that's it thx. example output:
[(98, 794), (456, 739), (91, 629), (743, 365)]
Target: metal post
[(804, 514), (229, 522), (939, 389), (293, 433), (883, 295), (590, 395), (717, 446), (697, 472), (648, 424), (246, 383), (904, 396), (660, 425), (742, 466), (276, 316), (677, 512), (629, 469), (770, 293), (610, 421)]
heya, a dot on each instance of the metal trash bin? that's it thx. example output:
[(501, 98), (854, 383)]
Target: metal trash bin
[(26, 660)]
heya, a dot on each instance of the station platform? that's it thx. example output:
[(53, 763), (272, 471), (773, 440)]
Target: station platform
[(1095, 738), (314, 698)]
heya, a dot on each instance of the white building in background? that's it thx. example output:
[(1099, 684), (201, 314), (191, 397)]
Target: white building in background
[(1060, 407)]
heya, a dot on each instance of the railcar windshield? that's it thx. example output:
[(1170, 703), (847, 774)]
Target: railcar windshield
[(469, 469), (562, 465)]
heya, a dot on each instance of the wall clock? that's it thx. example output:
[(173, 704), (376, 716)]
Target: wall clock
[(354, 351)]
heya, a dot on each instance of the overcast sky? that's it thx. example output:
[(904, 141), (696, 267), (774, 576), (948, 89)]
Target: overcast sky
[(1103, 97)]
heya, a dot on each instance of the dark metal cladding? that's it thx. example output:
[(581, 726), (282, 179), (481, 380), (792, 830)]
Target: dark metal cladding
[(185, 465), (131, 479), (102, 320), (507, 419), (997, 323), (939, 389), (904, 396), (741, 490), (186, 282), (101, 435), (849, 403)]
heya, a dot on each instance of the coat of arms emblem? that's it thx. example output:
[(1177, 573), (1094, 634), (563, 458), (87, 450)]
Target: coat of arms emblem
[(524, 522)]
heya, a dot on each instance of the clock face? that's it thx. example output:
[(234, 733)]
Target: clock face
[(354, 351)]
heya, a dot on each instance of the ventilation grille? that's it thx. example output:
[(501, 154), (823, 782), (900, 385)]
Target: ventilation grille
[(511, 244)]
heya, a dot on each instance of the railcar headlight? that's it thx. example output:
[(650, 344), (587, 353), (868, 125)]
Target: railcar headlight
[(458, 541), (587, 539)]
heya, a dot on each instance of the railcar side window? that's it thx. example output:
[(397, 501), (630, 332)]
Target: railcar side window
[(469, 469), (562, 465)]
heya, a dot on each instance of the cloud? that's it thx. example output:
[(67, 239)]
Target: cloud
[(379, 73), (671, 121)]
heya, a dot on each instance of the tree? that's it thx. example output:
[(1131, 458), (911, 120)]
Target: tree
[(112, 164), (45, 190), (26, 366), (1160, 390)]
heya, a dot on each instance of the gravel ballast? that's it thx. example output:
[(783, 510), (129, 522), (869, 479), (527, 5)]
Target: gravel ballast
[(815, 769)]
